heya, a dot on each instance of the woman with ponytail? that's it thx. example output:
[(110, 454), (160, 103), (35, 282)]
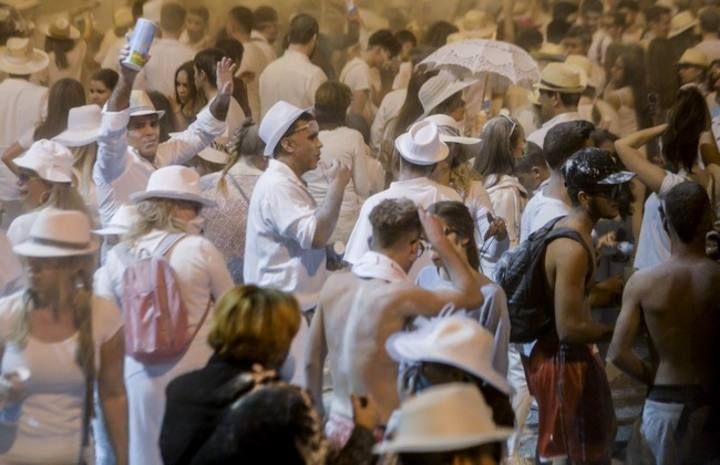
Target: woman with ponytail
[(58, 343), (231, 190)]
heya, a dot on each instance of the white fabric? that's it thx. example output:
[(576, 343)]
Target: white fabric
[(653, 245), (10, 267), (711, 49), (373, 265), (264, 46), (76, 60), (253, 63), (50, 417), (600, 42), (655, 443), (389, 109), (538, 136), (539, 211), (358, 76), (292, 78), (402, 78), (201, 274), (508, 199), (422, 191), (159, 72), (111, 57), (280, 231), (477, 200), (346, 146), (233, 121), (19, 230)]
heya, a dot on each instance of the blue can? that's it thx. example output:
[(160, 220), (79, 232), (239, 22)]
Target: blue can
[(140, 42)]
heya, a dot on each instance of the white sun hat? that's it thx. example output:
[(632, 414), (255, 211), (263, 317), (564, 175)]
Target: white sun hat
[(51, 161), (439, 88), (455, 340), (174, 182), (58, 233), (141, 105), (444, 418), (421, 145), (276, 122), (59, 27), (450, 130), (121, 221), (19, 57), (83, 126)]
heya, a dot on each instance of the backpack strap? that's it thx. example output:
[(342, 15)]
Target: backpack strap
[(167, 243)]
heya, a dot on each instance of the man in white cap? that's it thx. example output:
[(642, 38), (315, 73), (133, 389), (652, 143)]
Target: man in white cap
[(286, 230), (128, 148), (559, 90), (420, 150)]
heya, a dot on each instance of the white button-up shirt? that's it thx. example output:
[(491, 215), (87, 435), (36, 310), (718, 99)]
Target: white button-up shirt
[(423, 191), (538, 136), (120, 170), (292, 78), (159, 73), (281, 226)]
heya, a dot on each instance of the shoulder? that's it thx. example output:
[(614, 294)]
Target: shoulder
[(11, 309), (565, 251), (448, 193), (107, 318)]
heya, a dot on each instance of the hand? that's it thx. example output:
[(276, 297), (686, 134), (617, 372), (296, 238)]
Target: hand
[(338, 172), (225, 72), (606, 240), (660, 129), (497, 229), (433, 228), (365, 412), (12, 389)]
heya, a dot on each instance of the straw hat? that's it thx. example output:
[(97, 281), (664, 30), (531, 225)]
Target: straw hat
[(121, 221), (176, 183), (276, 122), (421, 145), (444, 418), (214, 155), (681, 22), (51, 161), (694, 57), (122, 17), (474, 25), (563, 78), (83, 126), (141, 105), (58, 233), (584, 64), (19, 57), (455, 340), (549, 51), (439, 88), (59, 27)]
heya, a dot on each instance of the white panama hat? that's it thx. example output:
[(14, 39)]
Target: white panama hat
[(421, 144), (439, 88), (83, 126), (58, 233), (176, 183), (121, 221), (276, 122), (562, 77), (19, 57), (141, 105), (51, 161), (444, 418)]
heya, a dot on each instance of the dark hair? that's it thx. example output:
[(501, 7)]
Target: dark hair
[(458, 218), (231, 48), (303, 118), (687, 120), (201, 11), (265, 14), (710, 19), (384, 38), (12, 25), (492, 449), (244, 17), (601, 136), (302, 29), (412, 108), (533, 158), (449, 105), (561, 10), (567, 99), (499, 136), (529, 39), (206, 61), (618, 19), (563, 140), (633, 58), (437, 34), (332, 100), (161, 103), (580, 32), (655, 12), (392, 220), (189, 70), (592, 6), (137, 9), (405, 36), (172, 17), (687, 209), (629, 4), (64, 95), (557, 29), (60, 47), (109, 77)]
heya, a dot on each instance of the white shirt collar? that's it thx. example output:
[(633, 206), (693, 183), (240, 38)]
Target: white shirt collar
[(281, 169)]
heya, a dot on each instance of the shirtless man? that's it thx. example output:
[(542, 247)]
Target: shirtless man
[(576, 417), (678, 302), (359, 310)]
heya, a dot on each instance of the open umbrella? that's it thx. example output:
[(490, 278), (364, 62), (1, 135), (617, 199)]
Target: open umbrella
[(483, 59)]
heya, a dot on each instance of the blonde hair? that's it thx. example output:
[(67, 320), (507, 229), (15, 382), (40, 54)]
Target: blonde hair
[(255, 325), (84, 160), (154, 214), (245, 141)]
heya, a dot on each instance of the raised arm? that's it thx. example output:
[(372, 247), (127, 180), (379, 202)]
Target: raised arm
[(628, 150)]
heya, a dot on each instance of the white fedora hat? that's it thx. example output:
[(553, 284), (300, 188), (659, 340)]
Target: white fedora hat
[(421, 145), (83, 126), (276, 122), (141, 105), (59, 27), (563, 78), (450, 130), (454, 340), (173, 182), (58, 233), (51, 161), (444, 418), (439, 88), (121, 221), (19, 57)]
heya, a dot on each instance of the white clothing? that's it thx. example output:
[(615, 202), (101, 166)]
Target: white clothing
[(356, 74), (540, 210), (402, 78), (477, 200), (264, 46), (10, 267), (120, 170), (75, 59), (508, 198), (111, 60), (19, 230), (201, 275), (48, 422), (711, 49), (346, 146), (108, 44), (423, 191), (252, 65), (205, 42), (233, 120), (281, 227), (538, 136), (389, 110), (653, 245), (292, 78), (159, 72)]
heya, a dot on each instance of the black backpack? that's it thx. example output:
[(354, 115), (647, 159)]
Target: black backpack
[(521, 274)]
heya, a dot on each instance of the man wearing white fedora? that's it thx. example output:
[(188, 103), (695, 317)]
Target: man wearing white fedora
[(559, 90), (128, 148), (420, 150)]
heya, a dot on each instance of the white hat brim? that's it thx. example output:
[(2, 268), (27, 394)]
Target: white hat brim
[(22, 162), (74, 32), (78, 137), (677, 32), (159, 113), (111, 231), (34, 249), (440, 444), (173, 195), (214, 156), (563, 90), (38, 63), (446, 93), (281, 130), (460, 140), (403, 147)]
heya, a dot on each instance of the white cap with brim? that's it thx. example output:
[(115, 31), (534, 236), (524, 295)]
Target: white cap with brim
[(175, 183), (121, 221), (421, 145), (58, 233), (276, 122), (83, 126)]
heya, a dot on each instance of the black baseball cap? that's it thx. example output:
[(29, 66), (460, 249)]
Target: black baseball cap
[(594, 168)]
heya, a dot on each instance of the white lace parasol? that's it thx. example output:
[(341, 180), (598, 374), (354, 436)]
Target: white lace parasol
[(479, 58)]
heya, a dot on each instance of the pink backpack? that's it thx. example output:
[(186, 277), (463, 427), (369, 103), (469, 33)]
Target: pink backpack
[(156, 320)]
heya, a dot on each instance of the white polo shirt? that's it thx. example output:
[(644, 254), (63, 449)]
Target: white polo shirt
[(292, 78), (281, 226)]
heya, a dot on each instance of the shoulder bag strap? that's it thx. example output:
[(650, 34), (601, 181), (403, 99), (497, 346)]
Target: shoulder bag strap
[(237, 186)]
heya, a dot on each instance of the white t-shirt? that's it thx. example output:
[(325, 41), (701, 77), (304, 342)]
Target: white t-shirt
[(357, 75), (49, 419), (389, 109), (292, 78), (159, 73), (539, 211)]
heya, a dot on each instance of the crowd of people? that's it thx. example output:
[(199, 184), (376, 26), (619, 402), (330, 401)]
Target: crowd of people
[(278, 244)]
